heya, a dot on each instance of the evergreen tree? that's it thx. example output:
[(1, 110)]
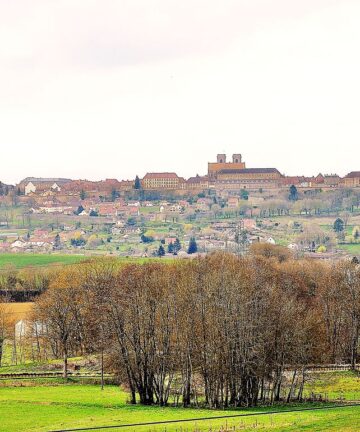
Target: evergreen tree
[(192, 246), (146, 239), (161, 251), (339, 225), (171, 248), (82, 194), (356, 233), (57, 242), (114, 194), (79, 210), (294, 196), (177, 246), (244, 194), (137, 184)]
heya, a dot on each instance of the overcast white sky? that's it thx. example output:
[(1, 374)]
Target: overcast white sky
[(114, 88)]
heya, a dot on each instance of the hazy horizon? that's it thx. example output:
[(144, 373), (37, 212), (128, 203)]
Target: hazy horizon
[(117, 88)]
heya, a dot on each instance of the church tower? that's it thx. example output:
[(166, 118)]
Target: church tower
[(236, 158), (221, 158)]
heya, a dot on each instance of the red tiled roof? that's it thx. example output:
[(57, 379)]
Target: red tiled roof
[(353, 174), (198, 179), (166, 175)]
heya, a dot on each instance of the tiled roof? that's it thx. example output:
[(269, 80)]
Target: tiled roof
[(250, 171), (165, 175), (198, 179), (353, 174), (36, 180)]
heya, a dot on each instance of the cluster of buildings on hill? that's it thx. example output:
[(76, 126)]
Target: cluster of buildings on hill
[(222, 176), (235, 176)]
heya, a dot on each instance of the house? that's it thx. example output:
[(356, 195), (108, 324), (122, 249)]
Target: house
[(271, 241), (203, 204), (4, 246), (21, 245), (40, 185), (293, 246), (107, 209), (233, 202), (352, 179), (25, 328), (56, 209), (198, 183), (332, 180), (175, 208), (249, 224), (133, 211)]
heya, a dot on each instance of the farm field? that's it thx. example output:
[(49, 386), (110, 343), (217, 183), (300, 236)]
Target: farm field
[(17, 311), (20, 260), (34, 260), (351, 248), (45, 407)]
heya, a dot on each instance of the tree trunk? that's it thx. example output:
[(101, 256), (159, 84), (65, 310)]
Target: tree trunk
[(65, 369), (1, 351), (291, 387)]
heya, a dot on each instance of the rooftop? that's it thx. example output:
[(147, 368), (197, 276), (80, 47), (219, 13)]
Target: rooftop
[(161, 175), (250, 171)]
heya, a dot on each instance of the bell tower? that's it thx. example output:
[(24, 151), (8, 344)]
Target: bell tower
[(221, 158), (236, 158)]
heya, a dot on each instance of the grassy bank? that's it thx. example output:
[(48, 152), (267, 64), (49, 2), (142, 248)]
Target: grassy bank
[(43, 408)]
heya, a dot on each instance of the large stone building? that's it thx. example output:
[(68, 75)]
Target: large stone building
[(198, 183), (235, 176), (352, 179), (221, 164), (161, 181), (248, 178)]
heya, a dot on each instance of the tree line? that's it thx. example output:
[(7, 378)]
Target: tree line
[(219, 330)]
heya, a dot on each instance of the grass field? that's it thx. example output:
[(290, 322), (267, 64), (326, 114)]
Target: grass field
[(45, 408), (20, 260), (351, 248), (35, 260), (17, 311), (336, 385)]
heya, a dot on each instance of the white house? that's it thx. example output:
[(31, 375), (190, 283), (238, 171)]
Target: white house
[(270, 240), (25, 328), (33, 187)]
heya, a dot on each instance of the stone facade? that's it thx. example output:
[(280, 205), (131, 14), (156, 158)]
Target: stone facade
[(161, 181), (248, 178), (215, 167), (352, 179)]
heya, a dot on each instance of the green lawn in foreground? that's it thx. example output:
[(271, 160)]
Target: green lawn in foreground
[(70, 406), (26, 260)]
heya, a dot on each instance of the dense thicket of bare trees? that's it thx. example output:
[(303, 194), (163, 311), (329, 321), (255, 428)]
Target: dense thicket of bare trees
[(220, 330)]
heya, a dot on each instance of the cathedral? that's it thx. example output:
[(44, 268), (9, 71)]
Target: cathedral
[(234, 175)]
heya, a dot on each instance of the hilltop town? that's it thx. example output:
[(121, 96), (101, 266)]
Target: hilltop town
[(229, 208)]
